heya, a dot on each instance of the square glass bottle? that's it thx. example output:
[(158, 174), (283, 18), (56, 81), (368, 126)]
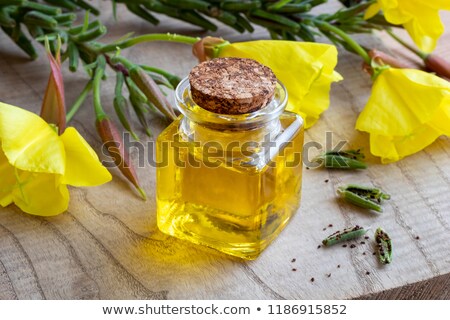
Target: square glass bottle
[(230, 182)]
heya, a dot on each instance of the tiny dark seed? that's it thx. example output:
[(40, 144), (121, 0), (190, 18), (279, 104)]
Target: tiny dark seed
[(307, 168), (338, 265), (324, 229), (319, 246), (293, 269), (364, 253), (367, 272), (330, 226), (326, 181), (312, 279), (362, 242), (344, 245), (374, 253), (352, 246), (417, 238), (328, 275), (366, 237), (293, 260)]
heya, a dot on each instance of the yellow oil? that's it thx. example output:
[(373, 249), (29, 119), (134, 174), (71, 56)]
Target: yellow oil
[(233, 207)]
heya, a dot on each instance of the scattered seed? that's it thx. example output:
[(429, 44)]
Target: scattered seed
[(312, 279), (338, 265), (366, 237), (328, 275), (344, 245), (324, 229), (364, 253), (293, 260), (330, 226), (352, 246), (367, 272), (293, 269), (326, 181), (417, 238), (362, 242), (319, 246), (374, 253), (307, 168)]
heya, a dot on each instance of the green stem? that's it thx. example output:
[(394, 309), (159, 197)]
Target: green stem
[(416, 51), (344, 36), (124, 61), (148, 38), (77, 104), (99, 72)]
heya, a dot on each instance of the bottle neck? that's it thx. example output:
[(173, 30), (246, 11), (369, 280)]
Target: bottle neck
[(226, 134)]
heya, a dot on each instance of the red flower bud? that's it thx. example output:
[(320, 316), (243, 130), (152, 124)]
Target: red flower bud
[(440, 66), (115, 146)]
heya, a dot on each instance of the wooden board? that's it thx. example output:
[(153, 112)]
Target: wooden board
[(107, 245)]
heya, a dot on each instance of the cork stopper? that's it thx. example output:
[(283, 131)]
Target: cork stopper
[(232, 85)]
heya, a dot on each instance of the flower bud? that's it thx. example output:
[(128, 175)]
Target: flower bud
[(151, 90), (116, 149), (440, 66), (205, 49), (381, 57)]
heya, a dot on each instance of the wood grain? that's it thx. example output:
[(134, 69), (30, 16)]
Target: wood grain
[(107, 245)]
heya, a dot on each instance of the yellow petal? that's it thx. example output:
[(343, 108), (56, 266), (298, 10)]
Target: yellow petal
[(29, 142), (407, 111), (83, 167), (306, 69), (372, 11), (40, 194), (7, 181), (401, 101), (425, 30)]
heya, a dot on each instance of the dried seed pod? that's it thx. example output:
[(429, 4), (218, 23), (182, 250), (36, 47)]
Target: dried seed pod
[(348, 159), (384, 246), (344, 235), (363, 196)]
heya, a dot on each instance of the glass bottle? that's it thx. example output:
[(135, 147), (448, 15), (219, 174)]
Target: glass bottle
[(230, 182)]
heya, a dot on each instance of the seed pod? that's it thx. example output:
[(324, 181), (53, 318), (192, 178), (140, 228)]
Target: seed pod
[(40, 19), (21, 40), (276, 18), (90, 35), (115, 146), (140, 12), (346, 234), (67, 4), (135, 92), (46, 9), (121, 106), (140, 111), (5, 19), (86, 6), (291, 8), (384, 246), (349, 159), (188, 4), (74, 56), (245, 5), (92, 25), (364, 197), (151, 91)]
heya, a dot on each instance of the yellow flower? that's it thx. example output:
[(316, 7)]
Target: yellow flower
[(306, 69), (36, 164), (419, 17), (407, 111)]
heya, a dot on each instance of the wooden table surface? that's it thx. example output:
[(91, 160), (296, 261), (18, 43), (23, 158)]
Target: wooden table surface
[(107, 245)]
